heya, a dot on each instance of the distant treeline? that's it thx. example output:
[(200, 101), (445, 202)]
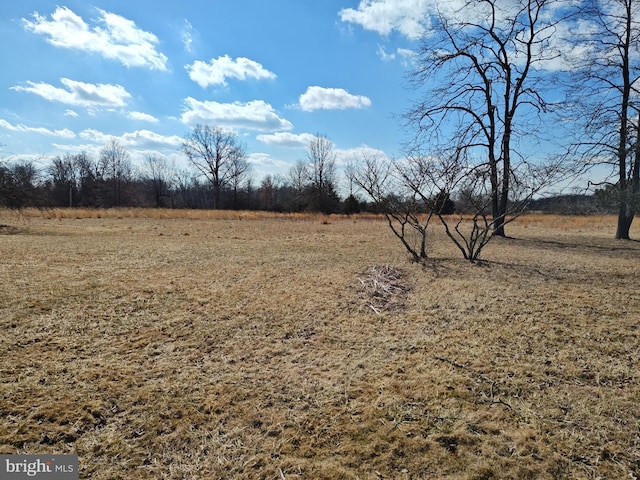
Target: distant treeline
[(601, 202), (78, 181)]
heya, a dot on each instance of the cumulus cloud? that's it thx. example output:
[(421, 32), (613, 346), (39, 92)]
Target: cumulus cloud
[(70, 113), (144, 117), (115, 37), (384, 16), (319, 98), (79, 94), (64, 133), (220, 69), (412, 19), (286, 139), (254, 115)]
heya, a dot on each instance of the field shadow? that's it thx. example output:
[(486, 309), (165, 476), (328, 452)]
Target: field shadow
[(456, 266), (9, 230), (608, 247)]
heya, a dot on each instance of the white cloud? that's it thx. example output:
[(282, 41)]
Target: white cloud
[(384, 56), (70, 113), (407, 57), (404, 55), (412, 19), (319, 98), (187, 36), (217, 72), (136, 139), (143, 117), (384, 16), (568, 53), (344, 156), (79, 94), (116, 38), (286, 139), (65, 133), (265, 160), (263, 164), (407, 53), (254, 115)]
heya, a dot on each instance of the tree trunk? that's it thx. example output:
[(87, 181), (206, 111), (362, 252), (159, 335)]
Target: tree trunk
[(628, 192), (625, 218), (498, 226)]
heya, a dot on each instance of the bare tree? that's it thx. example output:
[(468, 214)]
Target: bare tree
[(322, 174), (406, 214), (268, 193), (411, 191), (609, 86), (433, 179), (297, 178), (215, 154), (481, 68), (239, 173), (64, 180), (90, 179), (116, 165), (160, 174), (18, 182)]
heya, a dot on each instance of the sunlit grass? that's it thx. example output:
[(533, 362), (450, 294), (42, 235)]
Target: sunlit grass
[(167, 213), (570, 222)]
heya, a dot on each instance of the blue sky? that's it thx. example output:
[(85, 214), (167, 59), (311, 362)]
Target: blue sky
[(144, 72)]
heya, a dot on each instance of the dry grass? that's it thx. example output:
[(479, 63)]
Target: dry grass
[(210, 347), (168, 213)]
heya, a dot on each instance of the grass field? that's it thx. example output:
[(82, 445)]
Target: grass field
[(191, 345)]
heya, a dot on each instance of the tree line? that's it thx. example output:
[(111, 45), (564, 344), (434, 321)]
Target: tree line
[(219, 176)]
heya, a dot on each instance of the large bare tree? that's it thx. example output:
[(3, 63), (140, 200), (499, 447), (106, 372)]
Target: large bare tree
[(609, 70), (217, 155), (481, 71)]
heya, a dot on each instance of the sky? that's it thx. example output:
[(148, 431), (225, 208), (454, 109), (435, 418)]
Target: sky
[(79, 73)]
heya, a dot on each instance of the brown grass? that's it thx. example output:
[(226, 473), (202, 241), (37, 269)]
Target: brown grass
[(193, 345)]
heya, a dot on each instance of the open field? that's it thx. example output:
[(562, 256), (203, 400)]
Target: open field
[(188, 345)]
